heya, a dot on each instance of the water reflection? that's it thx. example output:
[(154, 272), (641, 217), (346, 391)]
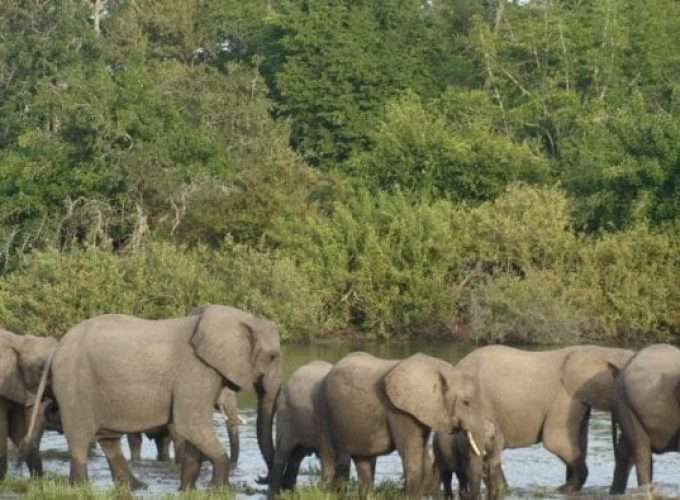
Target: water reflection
[(531, 472)]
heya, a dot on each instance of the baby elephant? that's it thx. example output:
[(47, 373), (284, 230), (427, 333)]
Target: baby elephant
[(296, 435), (452, 456)]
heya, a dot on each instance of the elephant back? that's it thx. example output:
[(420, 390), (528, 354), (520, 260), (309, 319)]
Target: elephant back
[(587, 375)]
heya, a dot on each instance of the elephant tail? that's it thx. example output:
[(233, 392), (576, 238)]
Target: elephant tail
[(29, 441)]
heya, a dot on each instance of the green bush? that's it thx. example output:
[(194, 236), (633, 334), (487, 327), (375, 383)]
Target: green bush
[(269, 284), (628, 283), (534, 309), (384, 263), (525, 227), (53, 291)]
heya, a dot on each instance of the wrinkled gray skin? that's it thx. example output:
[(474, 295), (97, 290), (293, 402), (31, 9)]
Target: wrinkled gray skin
[(546, 396), (296, 436), (647, 409), (227, 405), (22, 360), (117, 374), (452, 456), (368, 407)]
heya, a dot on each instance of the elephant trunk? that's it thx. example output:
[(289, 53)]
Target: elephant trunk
[(266, 407), (475, 460)]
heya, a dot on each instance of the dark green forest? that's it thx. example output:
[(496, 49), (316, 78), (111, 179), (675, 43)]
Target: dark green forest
[(484, 170)]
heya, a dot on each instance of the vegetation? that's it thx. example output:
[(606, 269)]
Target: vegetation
[(493, 171), (55, 487)]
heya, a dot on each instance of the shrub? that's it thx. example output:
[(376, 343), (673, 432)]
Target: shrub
[(53, 291), (524, 228), (628, 282), (272, 285), (535, 309), (383, 262)]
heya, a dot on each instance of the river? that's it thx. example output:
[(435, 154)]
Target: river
[(531, 472)]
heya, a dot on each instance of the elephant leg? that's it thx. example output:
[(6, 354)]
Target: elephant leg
[(194, 424), (496, 484), (565, 433), (282, 455), (327, 457), (293, 468), (210, 448), (4, 434), (18, 418), (342, 467), (634, 447), (191, 466), (624, 463), (410, 439), (364, 467), (177, 443), (134, 440), (446, 477), (120, 471), (78, 446), (163, 447)]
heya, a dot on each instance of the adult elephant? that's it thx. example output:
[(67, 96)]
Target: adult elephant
[(368, 407), (647, 408), (22, 360), (545, 396), (116, 374), (227, 405), (296, 428)]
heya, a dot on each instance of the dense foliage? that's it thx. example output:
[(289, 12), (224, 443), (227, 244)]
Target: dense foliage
[(495, 171)]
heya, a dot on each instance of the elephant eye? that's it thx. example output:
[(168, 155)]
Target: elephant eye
[(466, 402), (272, 356)]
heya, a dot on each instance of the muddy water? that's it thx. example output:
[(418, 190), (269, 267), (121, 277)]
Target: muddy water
[(531, 472)]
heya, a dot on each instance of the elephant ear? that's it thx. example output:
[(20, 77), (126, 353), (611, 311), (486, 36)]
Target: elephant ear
[(224, 340), (12, 386), (417, 387)]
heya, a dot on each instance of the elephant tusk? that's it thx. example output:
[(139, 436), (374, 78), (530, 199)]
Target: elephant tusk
[(473, 444), (241, 420)]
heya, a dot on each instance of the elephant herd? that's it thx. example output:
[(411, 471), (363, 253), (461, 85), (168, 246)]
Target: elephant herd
[(118, 375)]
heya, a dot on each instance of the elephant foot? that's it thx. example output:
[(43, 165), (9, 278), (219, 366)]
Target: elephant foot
[(568, 488)]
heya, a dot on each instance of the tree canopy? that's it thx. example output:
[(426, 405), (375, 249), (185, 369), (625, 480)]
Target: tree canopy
[(336, 141)]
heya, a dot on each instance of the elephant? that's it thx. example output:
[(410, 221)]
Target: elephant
[(227, 404), (367, 407), (452, 456), (296, 435), (161, 438), (22, 361), (546, 397), (647, 409), (116, 374)]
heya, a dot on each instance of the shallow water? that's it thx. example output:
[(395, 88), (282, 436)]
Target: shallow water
[(531, 472)]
